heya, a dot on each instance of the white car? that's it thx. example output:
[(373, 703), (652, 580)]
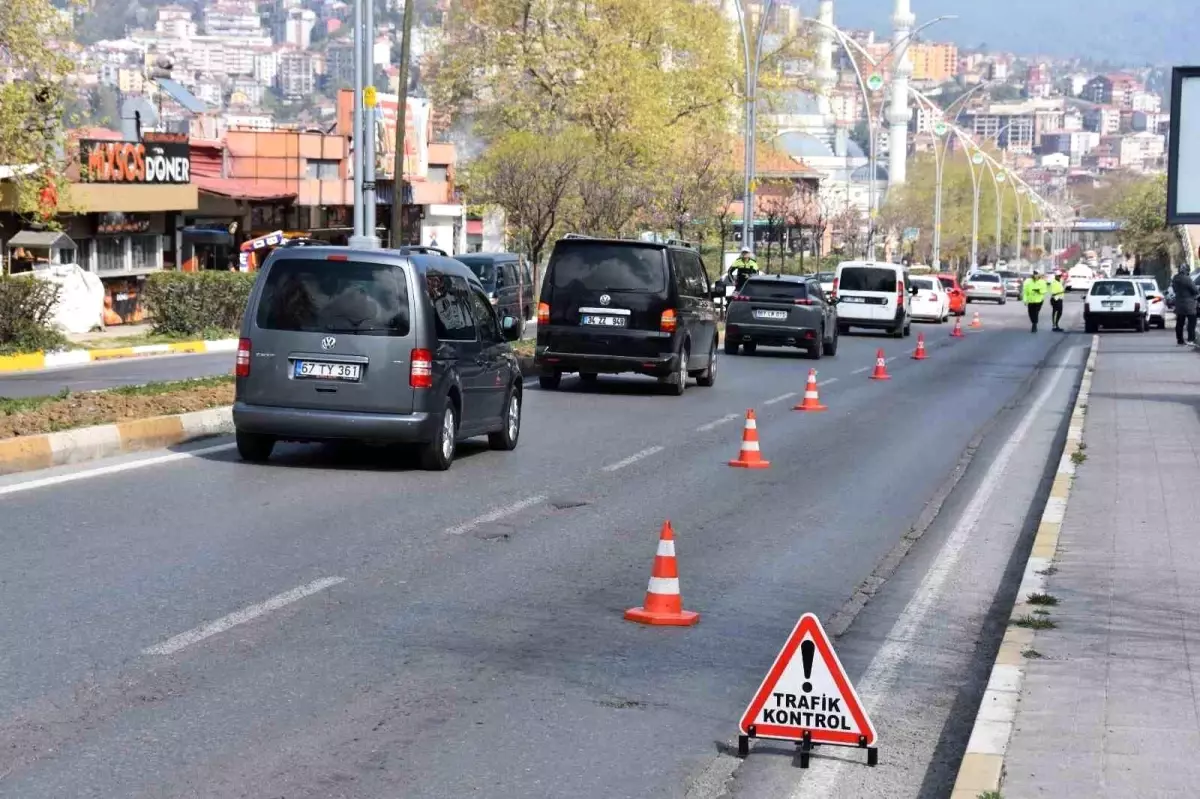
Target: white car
[(1156, 302), (875, 295), (1080, 278), (1115, 302), (930, 302)]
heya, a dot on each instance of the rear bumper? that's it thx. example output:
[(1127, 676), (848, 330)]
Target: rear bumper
[(988, 296), (549, 360), (305, 424), (769, 335), (1106, 319)]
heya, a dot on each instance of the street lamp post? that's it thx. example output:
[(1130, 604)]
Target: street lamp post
[(358, 120), (751, 62)]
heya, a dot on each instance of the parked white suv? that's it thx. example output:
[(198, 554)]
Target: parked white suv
[(874, 295), (1116, 302)]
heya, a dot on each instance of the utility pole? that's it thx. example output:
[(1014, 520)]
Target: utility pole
[(370, 239), (356, 238), (401, 126)]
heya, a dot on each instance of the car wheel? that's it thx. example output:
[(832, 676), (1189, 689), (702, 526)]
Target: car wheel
[(750, 347), (1090, 327), (844, 329), (1139, 325), (709, 375), (550, 381), (908, 329), (832, 345), (678, 381), (816, 348), (254, 447), (437, 455), (731, 347), (506, 439)]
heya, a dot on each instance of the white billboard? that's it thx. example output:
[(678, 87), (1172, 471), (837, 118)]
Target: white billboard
[(1183, 162)]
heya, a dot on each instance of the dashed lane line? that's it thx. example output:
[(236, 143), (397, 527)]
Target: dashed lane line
[(195, 636), (780, 398), (632, 459), (729, 417), (116, 468), (496, 515)]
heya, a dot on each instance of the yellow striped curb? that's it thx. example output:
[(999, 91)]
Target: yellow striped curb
[(27, 453), (982, 767), (36, 361)]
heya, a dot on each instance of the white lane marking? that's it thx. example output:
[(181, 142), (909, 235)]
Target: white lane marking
[(704, 428), (828, 382), (116, 468), (860, 371), (496, 515), (780, 398), (173, 645), (632, 459), (902, 641)]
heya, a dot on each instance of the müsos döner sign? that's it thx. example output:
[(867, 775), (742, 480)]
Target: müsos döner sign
[(129, 162)]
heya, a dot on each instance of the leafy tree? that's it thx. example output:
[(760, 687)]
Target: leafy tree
[(33, 101), (1142, 210)]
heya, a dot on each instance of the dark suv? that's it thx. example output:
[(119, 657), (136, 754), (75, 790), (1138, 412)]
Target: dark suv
[(610, 306), (374, 345), (506, 281), (782, 311)]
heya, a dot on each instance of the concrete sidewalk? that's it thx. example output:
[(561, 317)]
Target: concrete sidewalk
[(1109, 705)]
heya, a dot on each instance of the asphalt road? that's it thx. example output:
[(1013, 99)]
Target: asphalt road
[(400, 633)]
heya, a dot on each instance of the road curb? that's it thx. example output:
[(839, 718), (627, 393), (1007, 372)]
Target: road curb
[(37, 361), (982, 767), (27, 453)]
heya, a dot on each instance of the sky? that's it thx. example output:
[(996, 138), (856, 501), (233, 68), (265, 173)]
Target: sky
[(1130, 32)]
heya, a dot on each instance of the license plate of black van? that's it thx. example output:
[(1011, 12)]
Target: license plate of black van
[(602, 320), (316, 370)]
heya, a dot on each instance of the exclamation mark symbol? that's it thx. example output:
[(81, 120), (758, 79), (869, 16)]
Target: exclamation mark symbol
[(807, 649)]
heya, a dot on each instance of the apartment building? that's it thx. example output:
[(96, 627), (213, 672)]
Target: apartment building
[(1105, 120), (1075, 145), (1142, 151), (297, 74), (1115, 90), (933, 62)]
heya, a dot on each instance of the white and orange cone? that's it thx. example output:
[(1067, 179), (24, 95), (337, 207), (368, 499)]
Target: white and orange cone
[(957, 331), (881, 372), (750, 457), (976, 322), (664, 604), (812, 400), (920, 355)]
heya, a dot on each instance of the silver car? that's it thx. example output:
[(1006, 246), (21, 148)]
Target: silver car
[(985, 287)]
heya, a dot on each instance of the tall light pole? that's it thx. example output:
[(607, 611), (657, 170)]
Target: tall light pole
[(356, 239), (752, 62), (370, 237)]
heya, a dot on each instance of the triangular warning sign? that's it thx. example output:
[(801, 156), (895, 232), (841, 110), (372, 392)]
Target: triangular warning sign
[(807, 690)]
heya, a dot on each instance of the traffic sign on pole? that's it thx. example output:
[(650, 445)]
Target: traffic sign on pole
[(875, 82), (370, 97), (940, 128), (808, 699), (977, 159)]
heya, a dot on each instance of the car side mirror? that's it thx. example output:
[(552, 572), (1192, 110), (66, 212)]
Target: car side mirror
[(511, 330)]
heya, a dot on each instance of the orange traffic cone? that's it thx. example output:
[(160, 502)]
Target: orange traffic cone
[(880, 372), (920, 355), (976, 323), (749, 457), (664, 603), (812, 400), (957, 331)]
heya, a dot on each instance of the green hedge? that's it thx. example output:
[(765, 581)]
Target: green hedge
[(26, 309), (193, 303)]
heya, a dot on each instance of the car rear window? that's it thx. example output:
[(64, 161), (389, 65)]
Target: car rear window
[(784, 290), (867, 278), (484, 269), (305, 295), (984, 278), (922, 283), (1150, 286), (947, 282), (825, 277), (1113, 288), (609, 267)]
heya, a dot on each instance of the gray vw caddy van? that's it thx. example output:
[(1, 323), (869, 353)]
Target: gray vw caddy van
[(379, 346)]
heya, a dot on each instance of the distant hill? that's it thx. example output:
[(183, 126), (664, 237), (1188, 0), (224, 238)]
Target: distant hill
[(1121, 31)]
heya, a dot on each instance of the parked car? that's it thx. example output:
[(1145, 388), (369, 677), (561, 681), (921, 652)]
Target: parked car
[(875, 295), (374, 345), (782, 311), (613, 305), (506, 279), (1155, 302), (985, 287), (826, 280), (930, 303), (958, 297), (1115, 302)]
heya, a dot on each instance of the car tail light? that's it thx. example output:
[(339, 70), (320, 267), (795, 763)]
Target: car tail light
[(543, 313), (667, 322), (420, 371), (242, 364), (802, 301), (835, 287), (337, 257), (739, 298), (900, 287), (933, 296)]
